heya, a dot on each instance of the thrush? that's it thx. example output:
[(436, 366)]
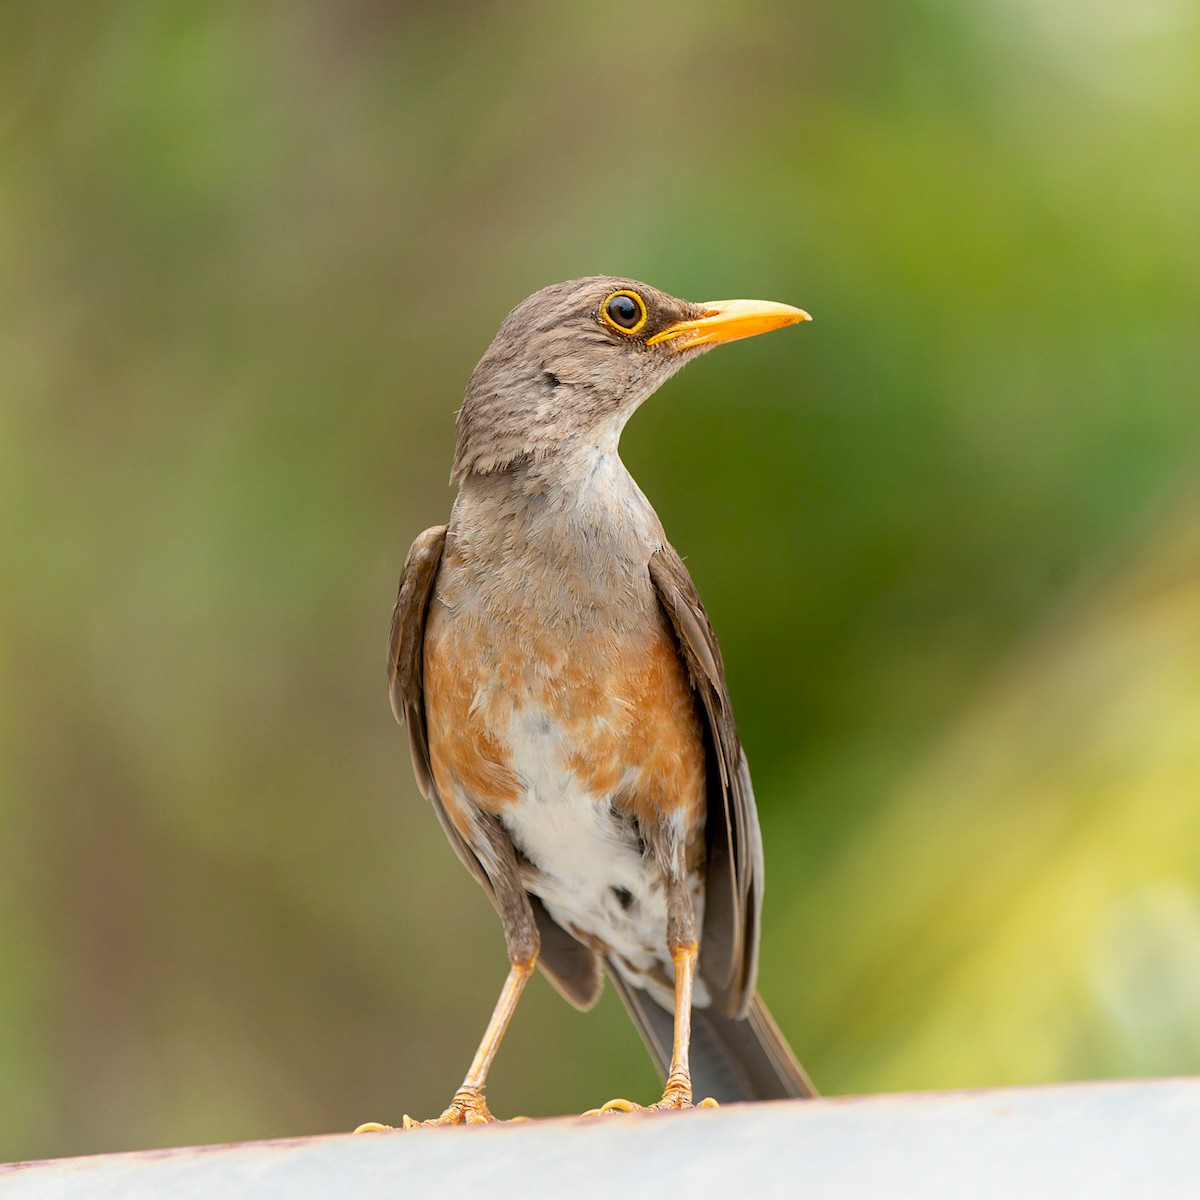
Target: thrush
[(566, 703)]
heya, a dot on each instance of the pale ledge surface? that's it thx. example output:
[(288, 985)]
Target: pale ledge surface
[(1136, 1139)]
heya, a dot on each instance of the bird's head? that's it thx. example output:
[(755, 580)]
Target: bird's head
[(572, 362)]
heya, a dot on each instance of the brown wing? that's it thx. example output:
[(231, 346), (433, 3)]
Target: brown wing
[(573, 968), (406, 677), (733, 901)]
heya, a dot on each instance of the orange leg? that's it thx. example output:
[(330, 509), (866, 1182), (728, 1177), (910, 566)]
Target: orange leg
[(678, 1092), (468, 1106)]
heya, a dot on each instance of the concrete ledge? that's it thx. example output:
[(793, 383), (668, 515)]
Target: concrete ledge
[(1099, 1140)]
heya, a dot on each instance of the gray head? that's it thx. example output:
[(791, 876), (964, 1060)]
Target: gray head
[(572, 363)]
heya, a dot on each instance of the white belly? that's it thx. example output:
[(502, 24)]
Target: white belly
[(589, 867)]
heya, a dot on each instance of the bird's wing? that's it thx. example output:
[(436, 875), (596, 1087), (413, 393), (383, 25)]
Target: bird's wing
[(573, 968), (733, 903), (406, 677)]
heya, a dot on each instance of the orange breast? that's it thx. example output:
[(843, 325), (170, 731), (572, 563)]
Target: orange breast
[(603, 714)]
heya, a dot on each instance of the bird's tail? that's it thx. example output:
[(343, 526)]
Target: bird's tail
[(732, 1059)]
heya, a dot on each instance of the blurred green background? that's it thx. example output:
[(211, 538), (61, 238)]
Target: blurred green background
[(949, 533)]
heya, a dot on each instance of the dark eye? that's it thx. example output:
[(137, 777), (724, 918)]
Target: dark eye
[(625, 311)]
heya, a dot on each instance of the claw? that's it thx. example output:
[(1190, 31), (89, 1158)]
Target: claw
[(467, 1108), (677, 1103), (613, 1106), (672, 1101)]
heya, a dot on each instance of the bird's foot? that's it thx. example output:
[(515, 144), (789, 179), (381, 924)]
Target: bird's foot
[(467, 1108), (675, 1099)]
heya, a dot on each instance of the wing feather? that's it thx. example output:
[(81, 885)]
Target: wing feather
[(406, 678), (733, 899)]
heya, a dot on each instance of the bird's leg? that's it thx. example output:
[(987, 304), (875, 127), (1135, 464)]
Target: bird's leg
[(684, 948), (681, 941), (678, 1092), (468, 1106)]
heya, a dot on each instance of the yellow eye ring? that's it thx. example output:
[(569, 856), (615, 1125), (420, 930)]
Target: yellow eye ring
[(624, 311)]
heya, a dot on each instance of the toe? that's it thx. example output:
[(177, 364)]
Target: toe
[(613, 1106)]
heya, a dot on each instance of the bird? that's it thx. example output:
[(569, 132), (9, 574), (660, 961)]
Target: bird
[(566, 703)]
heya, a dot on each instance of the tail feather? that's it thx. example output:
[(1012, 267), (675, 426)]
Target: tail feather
[(732, 1060)]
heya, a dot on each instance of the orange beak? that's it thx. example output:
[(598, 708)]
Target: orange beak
[(727, 321)]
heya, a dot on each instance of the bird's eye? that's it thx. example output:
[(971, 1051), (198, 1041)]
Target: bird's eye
[(624, 311)]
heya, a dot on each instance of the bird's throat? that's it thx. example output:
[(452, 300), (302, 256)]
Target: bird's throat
[(570, 538)]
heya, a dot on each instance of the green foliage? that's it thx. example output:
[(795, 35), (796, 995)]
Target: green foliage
[(250, 254)]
